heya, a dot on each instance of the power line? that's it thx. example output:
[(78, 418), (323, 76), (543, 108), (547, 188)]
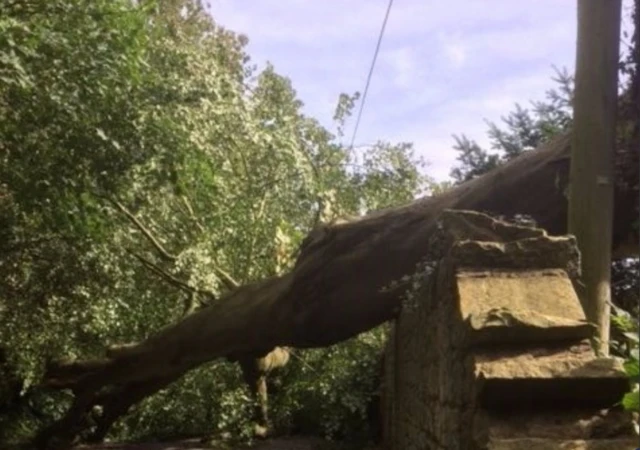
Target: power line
[(373, 64)]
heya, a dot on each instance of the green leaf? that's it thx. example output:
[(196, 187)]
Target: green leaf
[(631, 368), (631, 400)]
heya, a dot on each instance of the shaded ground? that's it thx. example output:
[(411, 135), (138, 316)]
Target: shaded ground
[(284, 443)]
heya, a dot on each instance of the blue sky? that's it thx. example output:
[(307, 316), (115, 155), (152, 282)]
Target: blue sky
[(443, 68)]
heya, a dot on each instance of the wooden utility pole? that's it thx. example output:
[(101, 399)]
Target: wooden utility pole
[(593, 146)]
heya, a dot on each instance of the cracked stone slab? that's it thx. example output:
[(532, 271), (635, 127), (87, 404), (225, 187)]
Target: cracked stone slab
[(504, 325), (561, 366), (547, 292)]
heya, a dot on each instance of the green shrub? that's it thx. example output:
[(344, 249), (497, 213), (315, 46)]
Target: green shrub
[(328, 392), (627, 346)]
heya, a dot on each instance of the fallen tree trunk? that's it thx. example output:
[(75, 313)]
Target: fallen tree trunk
[(337, 287)]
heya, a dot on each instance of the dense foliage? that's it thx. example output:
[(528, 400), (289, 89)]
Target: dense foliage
[(147, 167)]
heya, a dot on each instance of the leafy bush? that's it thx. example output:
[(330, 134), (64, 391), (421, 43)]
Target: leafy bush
[(329, 391), (627, 345), (210, 400)]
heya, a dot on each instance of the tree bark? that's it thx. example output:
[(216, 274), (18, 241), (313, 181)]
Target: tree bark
[(255, 372), (335, 290), (592, 162)]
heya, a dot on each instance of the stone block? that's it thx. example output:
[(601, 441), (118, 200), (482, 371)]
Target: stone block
[(561, 381), (502, 325), (546, 292)]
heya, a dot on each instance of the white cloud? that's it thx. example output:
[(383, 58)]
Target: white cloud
[(401, 61), (456, 54)]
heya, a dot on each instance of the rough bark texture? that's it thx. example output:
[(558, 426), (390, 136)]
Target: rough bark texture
[(335, 290), (594, 140), (255, 372), (493, 342)]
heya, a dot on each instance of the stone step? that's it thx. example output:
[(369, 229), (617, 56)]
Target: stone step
[(559, 380), (571, 425), (555, 444), (549, 292), (521, 306), (502, 325)]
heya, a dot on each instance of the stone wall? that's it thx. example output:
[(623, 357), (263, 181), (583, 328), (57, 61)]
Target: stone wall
[(492, 350), (432, 381)]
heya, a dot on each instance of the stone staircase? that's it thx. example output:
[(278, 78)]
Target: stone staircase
[(540, 386), (495, 353)]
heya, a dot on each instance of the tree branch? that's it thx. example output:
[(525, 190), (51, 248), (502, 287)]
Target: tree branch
[(144, 230), (170, 278), (229, 282), (187, 204)]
